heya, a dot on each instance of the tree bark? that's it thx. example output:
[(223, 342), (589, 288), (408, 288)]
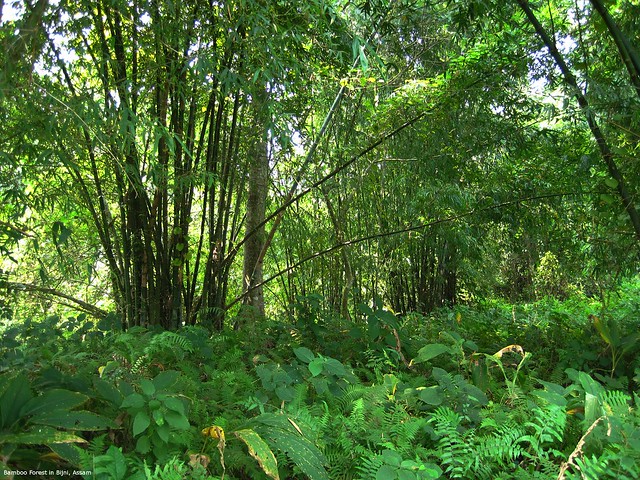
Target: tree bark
[(256, 210)]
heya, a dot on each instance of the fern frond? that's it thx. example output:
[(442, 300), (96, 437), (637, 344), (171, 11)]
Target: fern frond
[(454, 450), (616, 403), (170, 343), (503, 446), (350, 394), (369, 467), (139, 364)]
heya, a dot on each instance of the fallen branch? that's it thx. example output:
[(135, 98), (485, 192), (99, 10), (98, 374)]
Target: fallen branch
[(76, 303), (578, 450)]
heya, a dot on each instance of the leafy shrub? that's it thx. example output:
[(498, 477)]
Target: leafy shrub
[(158, 416)]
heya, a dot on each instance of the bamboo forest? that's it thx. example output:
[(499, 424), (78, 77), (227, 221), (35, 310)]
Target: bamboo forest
[(320, 239)]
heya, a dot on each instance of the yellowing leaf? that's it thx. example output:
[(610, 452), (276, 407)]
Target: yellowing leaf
[(196, 459), (259, 450), (214, 431), (602, 328), (508, 349)]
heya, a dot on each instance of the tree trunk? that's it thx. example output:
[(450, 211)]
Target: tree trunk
[(256, 210)]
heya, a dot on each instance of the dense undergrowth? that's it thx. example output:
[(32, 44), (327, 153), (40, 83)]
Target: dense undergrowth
[(494, 391)]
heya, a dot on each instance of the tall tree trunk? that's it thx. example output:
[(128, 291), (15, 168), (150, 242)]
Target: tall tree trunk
[(256, 209), (344, 253)]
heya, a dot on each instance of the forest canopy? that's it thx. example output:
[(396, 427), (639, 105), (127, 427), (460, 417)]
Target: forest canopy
[(170, 162), (330, 239)]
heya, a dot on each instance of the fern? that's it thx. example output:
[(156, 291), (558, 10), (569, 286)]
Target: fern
[(502, 446), (547, 428), (592, 468), (453, 449), (168, 345), (139, 364), (615, 403), (370, 467), (97, 446)]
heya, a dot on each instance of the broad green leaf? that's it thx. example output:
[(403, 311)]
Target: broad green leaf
[(592, 410), (69, 452), (304, 354), (135, 400), (80, 420), (388, 318), (374, 328), (17, 393), (608, 199), (285, 393), (474, 392), (158, 417), (471, 345), (589, 385), (430, 471), (611, 183), (432, 395), (551, 397), (166, 379), (320, 384), (174, 404), (40, 435), (316, 366), (406, 475), (300, 450), (164, 432), (365, 309), (140, 423), (430, 351), (176, 420), (147, 387), (391, 382), (334, 367), (259, 450), (143, 445), (387, 472), (392, 457), (107, 391), (56, 399)]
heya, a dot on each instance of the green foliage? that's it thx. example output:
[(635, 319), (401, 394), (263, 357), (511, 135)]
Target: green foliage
[(158, 417), (456, 411), (49, 418)]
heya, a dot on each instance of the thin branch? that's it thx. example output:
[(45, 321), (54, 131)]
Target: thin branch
[(290, 201), (605, 151), (413, 228), (15, 229)]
